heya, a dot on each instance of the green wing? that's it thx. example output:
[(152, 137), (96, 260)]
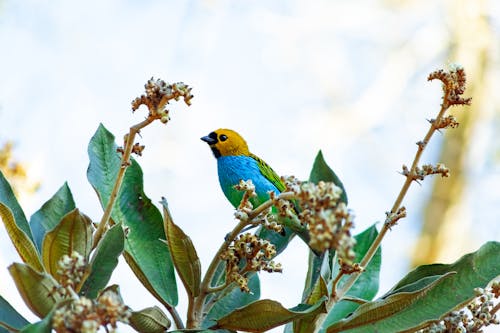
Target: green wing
[(269, 173)]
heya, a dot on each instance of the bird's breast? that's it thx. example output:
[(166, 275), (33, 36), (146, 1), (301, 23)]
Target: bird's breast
[(232, 169)]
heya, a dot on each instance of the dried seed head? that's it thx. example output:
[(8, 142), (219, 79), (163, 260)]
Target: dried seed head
[(453, 84), (85, 315), (328, 220), (71, 270), (158, 94), (248, 253)]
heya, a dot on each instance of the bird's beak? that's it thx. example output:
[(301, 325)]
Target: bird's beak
[(209, 140)]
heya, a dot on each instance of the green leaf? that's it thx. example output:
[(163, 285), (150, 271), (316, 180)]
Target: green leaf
[(8, 198), (473, 270), (21, 241), (150, 320), (9, 317), (266, 314), (51, 213), (148, 257), (183, 253), (319, 266), (321, 171), (36, 289), (232, 298), (42, 326), (366, 286), (73, 233), (104, 261), (319, 292), (370, 313)]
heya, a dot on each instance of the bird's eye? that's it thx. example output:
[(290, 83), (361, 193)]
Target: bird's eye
[(222, 137)]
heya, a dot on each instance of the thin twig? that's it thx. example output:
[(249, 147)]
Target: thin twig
[(354, 300), (335, 282)]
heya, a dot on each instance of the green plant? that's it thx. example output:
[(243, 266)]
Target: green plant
[(67, 264)]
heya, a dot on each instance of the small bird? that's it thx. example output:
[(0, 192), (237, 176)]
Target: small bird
[(235, 162)]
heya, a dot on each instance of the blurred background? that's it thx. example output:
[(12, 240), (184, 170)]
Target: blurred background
[(293, 77)]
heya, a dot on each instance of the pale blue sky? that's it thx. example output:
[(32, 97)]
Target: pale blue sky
[(347, 77)]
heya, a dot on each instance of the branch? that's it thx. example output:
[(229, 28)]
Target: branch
[(125, 162), (453, 86), (195, 313), (158, 94)]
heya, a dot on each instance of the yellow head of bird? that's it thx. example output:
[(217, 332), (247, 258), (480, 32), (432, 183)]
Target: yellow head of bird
[(226, 142)]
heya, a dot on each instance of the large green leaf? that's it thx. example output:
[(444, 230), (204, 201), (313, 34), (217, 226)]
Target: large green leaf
[(73, 233), (22, 243), (183, 254), (8, 198), (9, 317), (366, 286), (266, 314), (321, 171), (38, 290), (371, 313), (51, 213), (104, 261), (453, 287), (231, 298), (148, 257)]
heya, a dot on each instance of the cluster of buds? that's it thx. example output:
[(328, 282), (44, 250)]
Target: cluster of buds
[(137, 149), (327, 218), (349, 268), (158, 94), (445, 122), (71, 270), (479, 312), (391, 219), (85, 315), (248, 253), (268, 220), (453, 85), (245, 206), (426, 170)]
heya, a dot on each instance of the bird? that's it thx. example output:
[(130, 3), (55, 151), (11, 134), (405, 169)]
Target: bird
[(235, 162)]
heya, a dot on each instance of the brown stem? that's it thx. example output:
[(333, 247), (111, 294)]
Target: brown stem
[(195, 313), (410, 177), (495, 309), (175, 316), (335, 282), (119, 179)]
